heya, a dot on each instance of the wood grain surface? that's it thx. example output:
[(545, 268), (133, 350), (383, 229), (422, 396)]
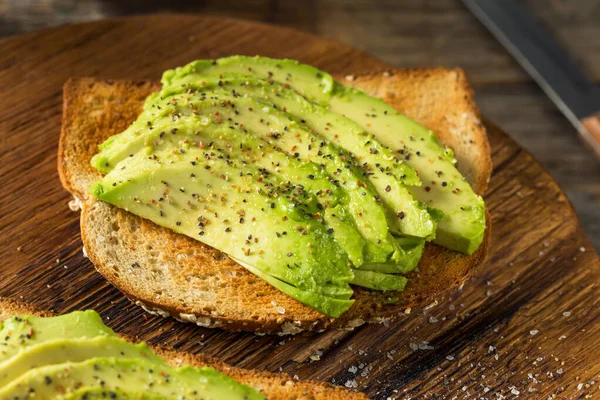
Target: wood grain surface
[(525, 326)]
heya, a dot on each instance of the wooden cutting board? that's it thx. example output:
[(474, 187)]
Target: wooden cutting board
[(527, 325)]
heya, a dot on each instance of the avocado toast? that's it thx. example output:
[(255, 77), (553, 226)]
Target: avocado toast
[(171, 274), (43, 353)]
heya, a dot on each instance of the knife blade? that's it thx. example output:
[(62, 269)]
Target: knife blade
[(549, 65)]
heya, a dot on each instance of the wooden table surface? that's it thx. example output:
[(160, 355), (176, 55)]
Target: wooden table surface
[(411, 33), (524, 326)]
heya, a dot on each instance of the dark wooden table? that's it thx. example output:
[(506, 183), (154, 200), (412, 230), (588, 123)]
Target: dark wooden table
[(411, 33)]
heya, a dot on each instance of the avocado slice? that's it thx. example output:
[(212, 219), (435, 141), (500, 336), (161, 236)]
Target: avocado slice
[(378, 281), (59, 350), (387, 173), (127, 375), (413, 250), (327, 305), (444, 189), (18, 333), (316, 85), (202, 193)]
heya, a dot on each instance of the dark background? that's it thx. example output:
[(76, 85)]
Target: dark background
[(407, 34)]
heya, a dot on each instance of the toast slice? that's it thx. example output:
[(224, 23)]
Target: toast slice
[(274, 386), (171, 274)]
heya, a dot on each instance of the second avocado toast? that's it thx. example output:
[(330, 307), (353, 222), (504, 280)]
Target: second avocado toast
[(353, 207), (75, 356)]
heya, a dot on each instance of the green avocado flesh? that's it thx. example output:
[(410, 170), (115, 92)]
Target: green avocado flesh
[(443, 187), (283, 169), (74, 356)]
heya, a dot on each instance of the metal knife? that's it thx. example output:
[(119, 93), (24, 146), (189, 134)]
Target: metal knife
[(533, 47)]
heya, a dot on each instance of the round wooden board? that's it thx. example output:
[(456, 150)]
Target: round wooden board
[(528, 321)]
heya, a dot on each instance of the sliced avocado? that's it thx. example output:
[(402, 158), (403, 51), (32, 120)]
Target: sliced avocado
[(326, 305), (413, 250), (19, 333), (463, 224), (206, 113), (443, 187), (388, 174), (127, 375), (378, 280), (58, 351), (316, 85), (255, 218)]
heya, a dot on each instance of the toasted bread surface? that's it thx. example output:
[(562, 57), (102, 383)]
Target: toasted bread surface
[(171, 274), (274, 386)]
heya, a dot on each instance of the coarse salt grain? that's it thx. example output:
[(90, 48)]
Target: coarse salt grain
[(351, 383)]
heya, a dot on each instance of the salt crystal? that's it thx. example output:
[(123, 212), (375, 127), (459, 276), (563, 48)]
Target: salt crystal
[(280, 310), (559, 371), (533, 332), (566, 314), (351, 384), (582, 249), (413, 346), (350, 78), (563, 337), (450, 358), (352, 369), (433, 320), (425, 346), (515, 391), (580, 386)]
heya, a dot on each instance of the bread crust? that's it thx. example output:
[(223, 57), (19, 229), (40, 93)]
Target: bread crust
[(173, 275), (274, 386)]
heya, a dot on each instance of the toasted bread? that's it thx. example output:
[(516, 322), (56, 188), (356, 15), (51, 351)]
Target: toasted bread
[(171, 274), (274, 386)]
